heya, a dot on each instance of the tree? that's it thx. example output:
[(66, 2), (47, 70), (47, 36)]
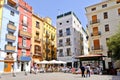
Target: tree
[(114, 45)]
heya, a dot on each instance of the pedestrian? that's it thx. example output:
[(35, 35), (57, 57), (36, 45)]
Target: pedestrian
[(88, 70), (83, 70)]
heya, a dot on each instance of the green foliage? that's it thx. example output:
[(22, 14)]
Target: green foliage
[(114, 45)]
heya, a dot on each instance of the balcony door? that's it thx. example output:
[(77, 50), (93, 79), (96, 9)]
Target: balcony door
[(94, 18), (95, 31), (96, 44)]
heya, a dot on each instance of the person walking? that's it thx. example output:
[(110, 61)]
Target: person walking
[(83, 70), (88, 70)]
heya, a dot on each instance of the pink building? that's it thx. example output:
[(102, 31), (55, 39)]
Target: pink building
[(24, 37)]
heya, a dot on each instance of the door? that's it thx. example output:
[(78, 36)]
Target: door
[(7, 66), (96, 44), (22, 66)]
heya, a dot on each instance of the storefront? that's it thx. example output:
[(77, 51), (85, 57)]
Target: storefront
[(24, 63)]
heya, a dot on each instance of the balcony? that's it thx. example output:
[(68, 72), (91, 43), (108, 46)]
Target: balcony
[(61, 55), (24, 23), (98, 48), (25, 34), (47, 35), (10, 48), (60, 35), (94, 21), (47, 41), (52, 37), (52, 44), (10, 37), (60, 45), (68, 43), (11, 27), (37, 39), (96, 34), (24, 47), (12, 2), (37, 54), (67, 33)]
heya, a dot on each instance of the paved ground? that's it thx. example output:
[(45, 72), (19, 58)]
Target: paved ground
[(56, 76)]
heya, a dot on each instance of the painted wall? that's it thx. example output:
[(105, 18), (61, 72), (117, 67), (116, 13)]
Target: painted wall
[(6, 17), (25, 11), (34, 30)]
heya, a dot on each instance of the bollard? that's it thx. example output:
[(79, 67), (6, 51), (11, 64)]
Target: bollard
[(14, 75), (25, 73)]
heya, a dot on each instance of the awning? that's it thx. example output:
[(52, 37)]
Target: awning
[(90, 57), (25, 58)]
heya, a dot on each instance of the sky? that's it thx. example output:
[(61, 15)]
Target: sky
[(52, 8)]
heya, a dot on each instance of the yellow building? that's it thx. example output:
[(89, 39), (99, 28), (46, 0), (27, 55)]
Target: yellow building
[(1, 4), (49, 40), (37, 31)]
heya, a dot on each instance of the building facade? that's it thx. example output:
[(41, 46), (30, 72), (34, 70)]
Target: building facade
[(71, 38), (103, 21), (49, 40), (24, 37), (9, 21), (37, 31)]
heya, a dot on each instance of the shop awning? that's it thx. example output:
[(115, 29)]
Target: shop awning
[(90, 57), (25, 58)]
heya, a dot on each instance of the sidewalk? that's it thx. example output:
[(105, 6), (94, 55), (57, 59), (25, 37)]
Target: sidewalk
[(56, 76)]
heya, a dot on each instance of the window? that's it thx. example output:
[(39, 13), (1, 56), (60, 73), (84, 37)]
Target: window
[(25, 20), (12, 23), (68, 51), (9, 43), (12, 13), (23, 52), (24, 42), (24, 28), (67, 31), (10, 33), (118, 1), (37, 49), (60, 33), (106, 27), (37, 24), (68, 41), (119, 11), (67, 21), (60, 42), (61, 53), (37, 35), (93, 9), (104, 5), (109, 54), (60, 23), (105, 15), (107, 39)]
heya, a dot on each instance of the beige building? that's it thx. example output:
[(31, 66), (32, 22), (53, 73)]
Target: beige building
[(37, 31), (103, 21)]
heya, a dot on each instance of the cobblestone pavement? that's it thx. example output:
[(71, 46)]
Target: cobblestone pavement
[(56, 76)]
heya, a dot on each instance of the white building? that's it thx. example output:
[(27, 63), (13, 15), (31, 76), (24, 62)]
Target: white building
[(103, 21), (71, 38)]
